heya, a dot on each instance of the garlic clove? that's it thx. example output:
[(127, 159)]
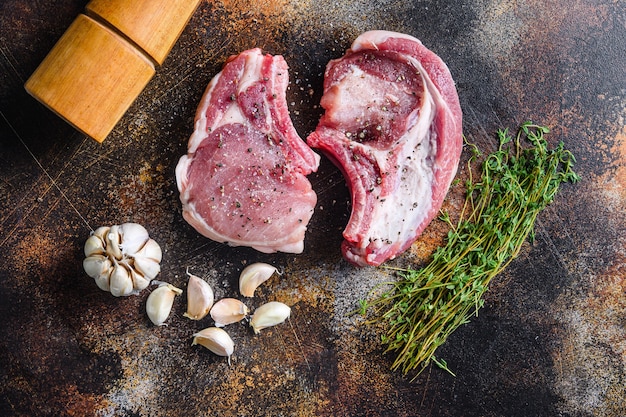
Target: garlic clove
[(216, 340), (102, 232), (269, 314), (160, 301), (113, 243), (199, 298), (102, 280), (147, 267), (120, 282), (133, 237), (139, 281), (95, 265), (254, 275), (94, 246), (228, 311), (150, 250)]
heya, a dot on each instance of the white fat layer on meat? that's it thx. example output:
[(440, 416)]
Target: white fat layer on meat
[(371, 39), (353, 87), (251, 71), (356, 86), (416, 164), (181, 176), (232, 114), (249, 77), (200, 124)]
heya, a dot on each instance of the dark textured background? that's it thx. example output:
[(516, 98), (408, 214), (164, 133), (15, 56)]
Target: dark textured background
[(550, 341)]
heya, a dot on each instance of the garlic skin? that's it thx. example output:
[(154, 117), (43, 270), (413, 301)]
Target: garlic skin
[(160, 301), (122, 259), (199, 298), (228, 311), (254, 275), (269, 314), (216, 340)]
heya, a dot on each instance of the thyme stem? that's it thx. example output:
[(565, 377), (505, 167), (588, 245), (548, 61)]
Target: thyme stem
[(426, 305)]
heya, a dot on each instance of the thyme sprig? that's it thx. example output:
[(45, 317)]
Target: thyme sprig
[(426, 305)]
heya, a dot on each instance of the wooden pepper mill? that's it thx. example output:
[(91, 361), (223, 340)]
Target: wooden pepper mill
[(105, 59)]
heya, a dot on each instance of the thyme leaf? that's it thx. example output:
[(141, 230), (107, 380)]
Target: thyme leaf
[(426, 305)]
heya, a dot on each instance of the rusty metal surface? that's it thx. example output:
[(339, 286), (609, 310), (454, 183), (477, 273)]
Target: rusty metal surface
[(551, 339)]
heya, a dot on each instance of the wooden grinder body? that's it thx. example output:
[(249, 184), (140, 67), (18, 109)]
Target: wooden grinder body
[(105, 59)]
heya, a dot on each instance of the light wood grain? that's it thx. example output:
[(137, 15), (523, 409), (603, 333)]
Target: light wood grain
[(91, 77), (154, 25)]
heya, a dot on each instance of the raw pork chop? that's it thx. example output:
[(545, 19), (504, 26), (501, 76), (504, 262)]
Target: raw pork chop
[(392, 124), (243, 180)]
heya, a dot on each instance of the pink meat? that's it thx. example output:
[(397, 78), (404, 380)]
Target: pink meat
[(393, 125), (243, 179)]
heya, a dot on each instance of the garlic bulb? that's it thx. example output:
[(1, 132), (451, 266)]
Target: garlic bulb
[(160, 302), (122, 259), (216, 340), (254, 275), (199, 298), (269, 314), (227, 311)]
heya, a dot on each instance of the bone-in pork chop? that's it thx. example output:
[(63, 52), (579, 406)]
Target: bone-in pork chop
[(392, 124), (243, 179)]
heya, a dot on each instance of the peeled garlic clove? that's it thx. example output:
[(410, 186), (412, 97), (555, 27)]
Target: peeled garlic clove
[(269, 314), (216, 340), (147, 267), (227, 311), (94, 246), (133, 237), (160, 301), (199, 298), (254, 275), (120, 282)]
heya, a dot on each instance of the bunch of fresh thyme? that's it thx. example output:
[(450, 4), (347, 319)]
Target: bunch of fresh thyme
[(426, 305)]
